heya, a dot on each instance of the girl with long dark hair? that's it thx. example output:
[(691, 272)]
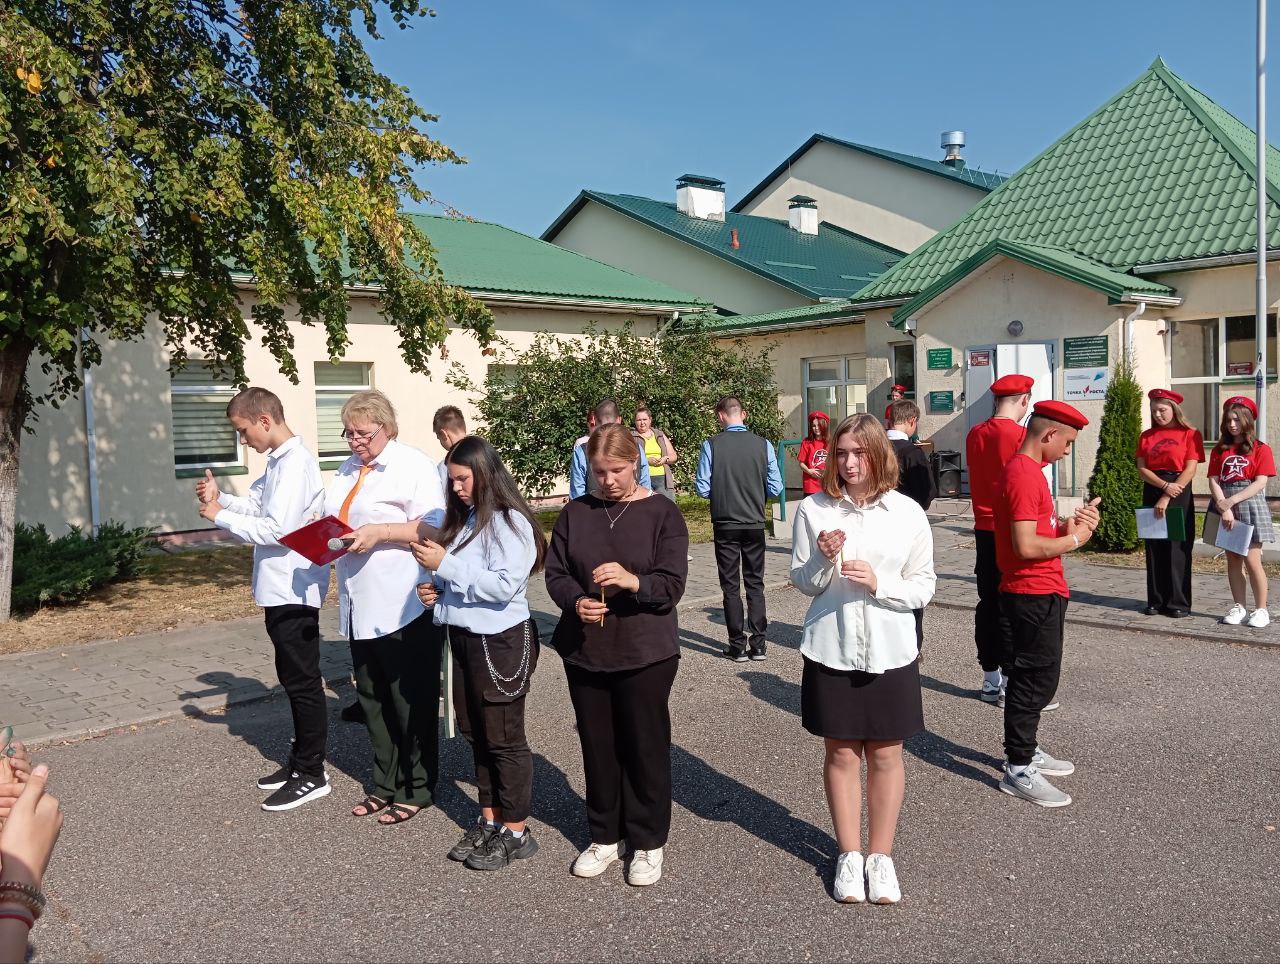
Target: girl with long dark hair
[(488, 547)]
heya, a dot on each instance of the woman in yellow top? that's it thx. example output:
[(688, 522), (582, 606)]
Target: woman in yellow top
[(659, 452)]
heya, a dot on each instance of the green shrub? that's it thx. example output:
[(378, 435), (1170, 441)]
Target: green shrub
[(60, 571), (1115, 473)]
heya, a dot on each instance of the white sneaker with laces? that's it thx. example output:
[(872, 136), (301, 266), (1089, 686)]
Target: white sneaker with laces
[(882, 880), (850, 887), (595, 860), (1259, 618), (646, 868), (1235, 615)]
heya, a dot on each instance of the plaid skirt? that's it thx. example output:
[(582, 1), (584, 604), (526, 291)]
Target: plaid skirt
[(1254, 511)]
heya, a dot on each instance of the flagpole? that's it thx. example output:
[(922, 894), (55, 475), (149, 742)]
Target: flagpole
[(1260, 307)]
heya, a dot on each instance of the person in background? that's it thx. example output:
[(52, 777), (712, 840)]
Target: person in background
[(450, 428), (1033, 595), (658, 452), (289, 588), (1168, 453), (988, 448), (896, 394), (738, 472), (915, 478), (488, 547), (581, 481), (617, 567), (27, 839), (813, 453), (865, 553), (1239, 467)]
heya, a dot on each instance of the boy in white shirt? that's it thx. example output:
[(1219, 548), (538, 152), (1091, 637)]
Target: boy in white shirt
[(286, 585)]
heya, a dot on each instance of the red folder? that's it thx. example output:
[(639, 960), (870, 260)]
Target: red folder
[(312, 540)]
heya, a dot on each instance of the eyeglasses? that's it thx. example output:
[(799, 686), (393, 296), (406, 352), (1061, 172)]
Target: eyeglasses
[(359, 438)]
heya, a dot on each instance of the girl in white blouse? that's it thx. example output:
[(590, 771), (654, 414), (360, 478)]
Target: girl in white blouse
[(865, 553)]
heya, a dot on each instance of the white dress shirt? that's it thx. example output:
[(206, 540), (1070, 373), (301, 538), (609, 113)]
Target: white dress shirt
[(377, 590), (848, 628), (278, 503), (482, 585)]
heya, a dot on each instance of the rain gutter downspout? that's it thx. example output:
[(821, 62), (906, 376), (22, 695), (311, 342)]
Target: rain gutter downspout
[(1126, 330), (91, 438)]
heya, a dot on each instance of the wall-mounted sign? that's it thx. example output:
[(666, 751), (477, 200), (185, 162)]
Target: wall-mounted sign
[(1240, 368), (1085, 384), (939, 359), (941, 403), (980, 359), (1087, 352)]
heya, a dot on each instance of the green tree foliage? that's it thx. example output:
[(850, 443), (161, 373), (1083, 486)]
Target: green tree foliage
[(1115, 473), (534, 403), (153, 155), (65, 570)]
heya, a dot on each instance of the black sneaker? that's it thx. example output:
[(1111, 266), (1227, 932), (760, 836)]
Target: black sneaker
[(757, 655), (296, 791), (736, 654), (276, 780), (477, 838), (353, 713), (501, 848)]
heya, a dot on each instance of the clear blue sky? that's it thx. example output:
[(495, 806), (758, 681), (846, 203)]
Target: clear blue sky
[(546, 98)]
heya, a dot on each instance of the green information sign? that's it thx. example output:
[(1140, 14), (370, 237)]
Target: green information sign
[(1087, 352), (939, 359), (942, 402)]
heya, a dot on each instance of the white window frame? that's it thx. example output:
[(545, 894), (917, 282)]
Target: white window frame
[(1221, 379), (341, 389), (230, 391), (842, 363)]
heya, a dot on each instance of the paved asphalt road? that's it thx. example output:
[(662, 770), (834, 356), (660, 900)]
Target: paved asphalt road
[(1168, 852)]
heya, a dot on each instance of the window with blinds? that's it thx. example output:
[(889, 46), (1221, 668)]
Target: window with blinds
[(201, 433), (334, 385)]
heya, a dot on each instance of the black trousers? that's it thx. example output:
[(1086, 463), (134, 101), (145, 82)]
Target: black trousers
[(294, 631), (624, 724), (398, 683), (492, 720), (1169, 562), (1037, 622), (990, 624), (742, 550)]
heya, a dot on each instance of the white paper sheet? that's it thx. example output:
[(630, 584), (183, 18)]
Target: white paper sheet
[(1237, 539), (1150, 527)]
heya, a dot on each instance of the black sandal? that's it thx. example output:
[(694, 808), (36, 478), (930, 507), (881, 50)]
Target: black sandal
[(371, 806), (399, 814)]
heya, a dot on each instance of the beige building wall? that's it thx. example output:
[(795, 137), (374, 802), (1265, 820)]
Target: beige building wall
[(138, 483), (882, 200), (605, 235)]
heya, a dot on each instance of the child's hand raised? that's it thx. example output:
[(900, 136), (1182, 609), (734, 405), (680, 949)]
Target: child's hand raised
[(207, 488)]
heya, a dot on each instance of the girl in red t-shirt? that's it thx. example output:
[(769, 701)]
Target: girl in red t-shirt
[(1168, 454), (1239, 468), (813, 452)]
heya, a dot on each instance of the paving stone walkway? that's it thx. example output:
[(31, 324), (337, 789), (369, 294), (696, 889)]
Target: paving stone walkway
[(64, 694)]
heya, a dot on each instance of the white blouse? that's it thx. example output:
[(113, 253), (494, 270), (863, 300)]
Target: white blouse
[(848, 628)]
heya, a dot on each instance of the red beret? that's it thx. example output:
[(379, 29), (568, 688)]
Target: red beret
[(1244, 401), (822, 415), (1012, 385), (1060, 412), (898, 388), (1158, 393)]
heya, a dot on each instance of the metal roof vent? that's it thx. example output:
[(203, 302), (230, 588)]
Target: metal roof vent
[(802, 214), (952, 142), (700, 197)]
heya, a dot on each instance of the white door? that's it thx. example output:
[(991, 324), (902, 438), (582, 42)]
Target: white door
[(1035, 360), (979, 373)]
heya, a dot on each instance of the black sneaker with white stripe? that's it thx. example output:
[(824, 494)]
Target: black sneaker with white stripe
[(296, 791), (275, 780)]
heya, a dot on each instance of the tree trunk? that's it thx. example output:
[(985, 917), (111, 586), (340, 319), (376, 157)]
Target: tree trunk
[(15, 405)]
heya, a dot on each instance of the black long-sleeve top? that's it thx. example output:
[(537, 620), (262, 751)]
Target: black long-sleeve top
[(915, 479), (651, 540)]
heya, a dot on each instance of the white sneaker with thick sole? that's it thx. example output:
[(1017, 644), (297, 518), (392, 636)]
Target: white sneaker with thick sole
[(1235, 615), (595, 860), (850, 886), (645, 868), (882, 880), (1049, 766), (1259, 618)]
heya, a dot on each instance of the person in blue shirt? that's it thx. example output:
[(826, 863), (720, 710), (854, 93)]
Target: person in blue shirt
[(488, 547), (738, 472), (580, 480)]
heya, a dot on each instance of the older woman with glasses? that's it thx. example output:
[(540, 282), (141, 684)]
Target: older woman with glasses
[(395, 649)]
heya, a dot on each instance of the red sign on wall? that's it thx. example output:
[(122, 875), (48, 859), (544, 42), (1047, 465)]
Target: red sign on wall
[(979, 359)]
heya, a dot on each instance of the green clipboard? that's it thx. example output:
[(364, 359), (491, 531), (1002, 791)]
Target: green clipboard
[(1175, 517)]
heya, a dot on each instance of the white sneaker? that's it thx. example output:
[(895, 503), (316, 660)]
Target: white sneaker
[(1259, 618), (595, 860), (850, 888), (646, 868), (1235, 615), (882, 880)]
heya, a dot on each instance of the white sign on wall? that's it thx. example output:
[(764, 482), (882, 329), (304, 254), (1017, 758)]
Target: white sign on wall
[(1085, 384)]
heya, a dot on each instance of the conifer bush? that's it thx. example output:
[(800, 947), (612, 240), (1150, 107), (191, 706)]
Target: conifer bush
[(49, 571), (1115, 473)]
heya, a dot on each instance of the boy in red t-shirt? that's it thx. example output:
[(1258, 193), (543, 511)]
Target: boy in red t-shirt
[(1033, 595), (988, 447)]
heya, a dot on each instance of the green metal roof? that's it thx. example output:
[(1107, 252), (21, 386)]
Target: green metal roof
[(983, 180), (834, 263), (1159, 173), (485, 257), (743, 324)]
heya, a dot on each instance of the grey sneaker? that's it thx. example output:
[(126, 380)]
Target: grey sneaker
[(991, 693), (1049, 766), (1031, 786)]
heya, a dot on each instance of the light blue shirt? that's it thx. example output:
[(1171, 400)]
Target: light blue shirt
[(578, 471), (482, 585), (702, 481)]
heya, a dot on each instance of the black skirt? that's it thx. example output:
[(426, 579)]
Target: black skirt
[(853, 705)]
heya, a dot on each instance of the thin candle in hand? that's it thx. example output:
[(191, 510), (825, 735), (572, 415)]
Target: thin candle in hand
[(602, 603)]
